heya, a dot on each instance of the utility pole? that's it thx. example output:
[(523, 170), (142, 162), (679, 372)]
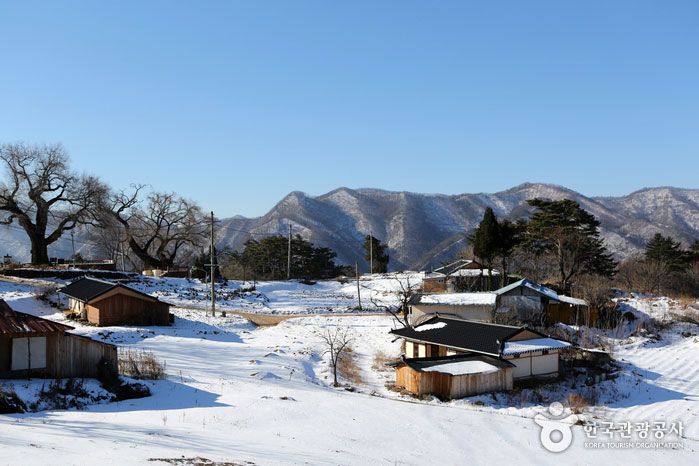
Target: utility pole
[(211, 259), (123, 265), (359, 296), (288, 260), (72, 240), (371, 253)]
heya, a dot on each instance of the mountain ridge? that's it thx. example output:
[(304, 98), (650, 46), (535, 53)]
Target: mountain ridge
[(422, 230)]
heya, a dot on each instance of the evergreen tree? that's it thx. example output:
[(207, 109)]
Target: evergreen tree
[(508, 238), (571, 235), (268, 258), (373, 247), (694, 251), (664, 249), (486, 239)]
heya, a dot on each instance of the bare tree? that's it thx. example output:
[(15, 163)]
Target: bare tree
[(598, 293), (158, 228), (403, 295), (336, 342), (44, 196)]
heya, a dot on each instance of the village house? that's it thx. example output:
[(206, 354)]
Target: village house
[(469, 306), (489, 356), (462, 275), (523, 301), (531, 302), (106, 303), (37, 347)]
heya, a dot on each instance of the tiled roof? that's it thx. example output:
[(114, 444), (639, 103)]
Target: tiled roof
[(462, 334), (13, 322), (449, 364)]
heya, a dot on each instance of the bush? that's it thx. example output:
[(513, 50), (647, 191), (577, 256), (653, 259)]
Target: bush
[(61, 395), (10, 403), (140, 365), (112, 383)]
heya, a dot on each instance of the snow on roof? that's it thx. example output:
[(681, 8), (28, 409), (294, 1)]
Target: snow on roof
[(529, 346), (532, 286), (422, 328), (435, 275), (473, 272), (573, 301), (458, 299), (462, 368)]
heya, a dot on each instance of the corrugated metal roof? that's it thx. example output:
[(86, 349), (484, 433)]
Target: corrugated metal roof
[(14, 322)]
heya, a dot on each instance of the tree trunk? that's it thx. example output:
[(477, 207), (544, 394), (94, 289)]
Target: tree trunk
[(40, 254)]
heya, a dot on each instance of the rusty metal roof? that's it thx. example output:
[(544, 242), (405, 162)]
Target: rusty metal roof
[(14, 322)]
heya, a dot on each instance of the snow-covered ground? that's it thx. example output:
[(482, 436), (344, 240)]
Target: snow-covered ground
[(236, 393)]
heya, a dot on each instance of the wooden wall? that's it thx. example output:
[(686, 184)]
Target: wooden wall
[(75, 356), (122, 309), (67, 356), (452, 386), (572, 315)]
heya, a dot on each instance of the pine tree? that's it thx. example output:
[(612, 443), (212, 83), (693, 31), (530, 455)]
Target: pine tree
[(485, 240), (571, 234), (664, 249)]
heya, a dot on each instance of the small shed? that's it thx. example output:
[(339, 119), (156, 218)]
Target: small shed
[(106, 303), (572, 311), (454, 376), (37, 347), (462, 275)]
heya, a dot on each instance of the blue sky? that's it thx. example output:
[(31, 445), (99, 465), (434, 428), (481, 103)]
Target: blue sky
[(235, 104)]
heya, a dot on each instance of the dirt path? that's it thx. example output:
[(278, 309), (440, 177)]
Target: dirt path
[(267, 320)]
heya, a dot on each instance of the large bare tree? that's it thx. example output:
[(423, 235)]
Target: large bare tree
[(159, 227), (44, 196)]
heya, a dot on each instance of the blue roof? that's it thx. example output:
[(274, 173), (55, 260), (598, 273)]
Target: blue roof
[(531, 285)]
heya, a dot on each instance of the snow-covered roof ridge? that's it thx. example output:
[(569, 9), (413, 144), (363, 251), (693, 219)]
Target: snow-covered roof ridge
[(457, 299), (530, 346)]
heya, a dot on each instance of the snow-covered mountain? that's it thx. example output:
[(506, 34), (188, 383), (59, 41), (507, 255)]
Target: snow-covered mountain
[(422, 230)]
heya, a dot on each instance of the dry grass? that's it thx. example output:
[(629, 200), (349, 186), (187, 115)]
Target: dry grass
[(347, 367), (380, 361), (687, 315), (578, 402), (140, 365)]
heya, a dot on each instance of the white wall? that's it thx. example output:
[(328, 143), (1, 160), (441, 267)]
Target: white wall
[(22, 347), (545, 364), (522, 367)]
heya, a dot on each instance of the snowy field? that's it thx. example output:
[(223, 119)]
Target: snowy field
[(237, 394)]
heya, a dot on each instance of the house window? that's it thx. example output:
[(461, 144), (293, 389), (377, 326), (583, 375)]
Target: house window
[(416, 350)]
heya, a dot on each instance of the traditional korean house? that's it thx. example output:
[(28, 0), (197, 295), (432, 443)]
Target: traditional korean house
[(106, 303), (505, 353), (534, 303), (460, 276), (37, 347)]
